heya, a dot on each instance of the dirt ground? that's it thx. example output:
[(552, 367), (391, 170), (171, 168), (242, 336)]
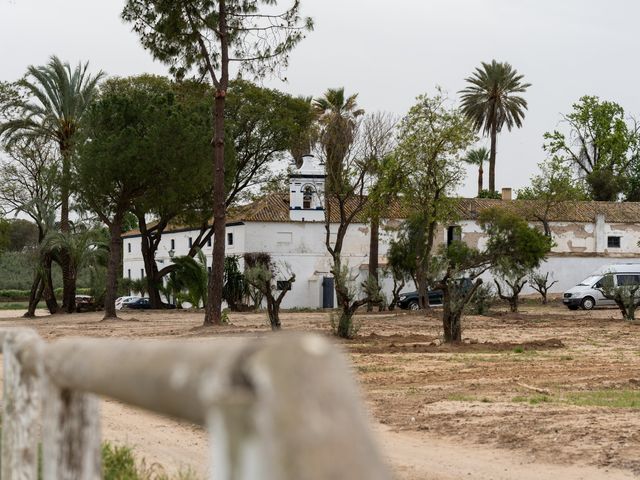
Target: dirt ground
[(510, 402)]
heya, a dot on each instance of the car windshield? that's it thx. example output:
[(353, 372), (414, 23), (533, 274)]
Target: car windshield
[(587, 282)]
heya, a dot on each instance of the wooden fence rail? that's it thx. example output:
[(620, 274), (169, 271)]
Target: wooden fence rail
[(284, 408)]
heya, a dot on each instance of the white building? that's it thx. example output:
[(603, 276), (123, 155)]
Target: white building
[(290, 227)]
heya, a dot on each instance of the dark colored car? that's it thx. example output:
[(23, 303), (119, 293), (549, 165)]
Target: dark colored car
[(409, 301), (145, 304)]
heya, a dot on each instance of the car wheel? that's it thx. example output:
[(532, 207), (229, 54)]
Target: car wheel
[(413, 305), (588, 303), (573, 307)]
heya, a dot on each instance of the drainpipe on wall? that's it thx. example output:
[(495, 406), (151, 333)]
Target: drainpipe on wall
[(600, 234)]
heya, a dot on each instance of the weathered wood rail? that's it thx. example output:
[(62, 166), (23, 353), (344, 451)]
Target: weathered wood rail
[(284, 408)]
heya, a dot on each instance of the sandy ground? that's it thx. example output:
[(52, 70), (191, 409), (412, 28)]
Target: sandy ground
[(439, 412)]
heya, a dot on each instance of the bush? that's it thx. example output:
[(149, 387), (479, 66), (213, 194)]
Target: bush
[(482, 300), (118, 463), (489, 194)]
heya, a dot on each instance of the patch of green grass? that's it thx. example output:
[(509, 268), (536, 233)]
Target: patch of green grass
[(119, 463), (533, 400), (18, 305), (518, 350), (604, 398), (566, 358)]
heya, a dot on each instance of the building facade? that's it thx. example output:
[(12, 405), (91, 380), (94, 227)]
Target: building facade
[(291, 228)]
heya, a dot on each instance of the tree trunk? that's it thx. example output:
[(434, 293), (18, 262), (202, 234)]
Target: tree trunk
[(151, 270), (47, 293), (213, 310), (480, 179), (373, 252), (273, 309), (450, 319), (68, 270), (34, 296), (115, 251), (492, 157)]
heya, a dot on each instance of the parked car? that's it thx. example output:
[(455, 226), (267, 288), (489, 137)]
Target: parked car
[(85, 303), (588, 293), (145, 304), (122, 302), (409, 300)]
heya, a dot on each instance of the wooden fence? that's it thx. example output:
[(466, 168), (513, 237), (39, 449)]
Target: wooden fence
[(284, 408)]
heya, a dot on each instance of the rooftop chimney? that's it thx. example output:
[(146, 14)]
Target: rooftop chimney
[(506, 194)]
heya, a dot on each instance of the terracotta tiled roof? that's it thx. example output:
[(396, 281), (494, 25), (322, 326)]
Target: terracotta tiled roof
[(614, 212), (275, 208)]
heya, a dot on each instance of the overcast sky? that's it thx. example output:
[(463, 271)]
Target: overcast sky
[(388, 52)]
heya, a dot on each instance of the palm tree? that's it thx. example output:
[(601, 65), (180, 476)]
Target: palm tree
[(491, 101), (55, 99), (82, 249), (337, 117), (477, 157)]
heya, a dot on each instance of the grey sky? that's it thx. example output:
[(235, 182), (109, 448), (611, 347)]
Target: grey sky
[(388, 52)]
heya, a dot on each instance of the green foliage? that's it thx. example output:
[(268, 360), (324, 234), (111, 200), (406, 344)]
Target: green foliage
[(338, 120), (626, 297), (5, 235), (512, 243), (491, 101), (263, 125), (118, 463), (192, 275), (491, 98), (426, 170), (516, 248), (600, 144), (490, 194), (482, 300), (234, 287), (22, 233), (16, 271), (555, 184), (259, 39)]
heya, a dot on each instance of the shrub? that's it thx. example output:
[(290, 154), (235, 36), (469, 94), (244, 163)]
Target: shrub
[(482, 300)]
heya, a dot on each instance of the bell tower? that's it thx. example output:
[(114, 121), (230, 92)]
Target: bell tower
[(306, 191)]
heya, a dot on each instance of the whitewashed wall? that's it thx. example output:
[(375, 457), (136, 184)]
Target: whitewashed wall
[(580, 249)]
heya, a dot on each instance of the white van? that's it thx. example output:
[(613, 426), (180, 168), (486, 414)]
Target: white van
[(587, 293)]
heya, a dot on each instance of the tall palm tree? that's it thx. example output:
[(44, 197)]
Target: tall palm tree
[(55, 99), (491, 102), (337, 117), (477, 157)]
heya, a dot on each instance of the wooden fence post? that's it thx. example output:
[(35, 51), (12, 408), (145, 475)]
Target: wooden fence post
[(20, 405), (288, 409), (71, 446)]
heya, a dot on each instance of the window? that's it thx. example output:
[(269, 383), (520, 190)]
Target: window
[(173, 244), (454, 234), (190, 242), (283, 285), (129, 247), (613, 242), (229, 239), (628, 279), (209, 269), (209, 242), (129, 273), (142, 273), (307, 197)]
